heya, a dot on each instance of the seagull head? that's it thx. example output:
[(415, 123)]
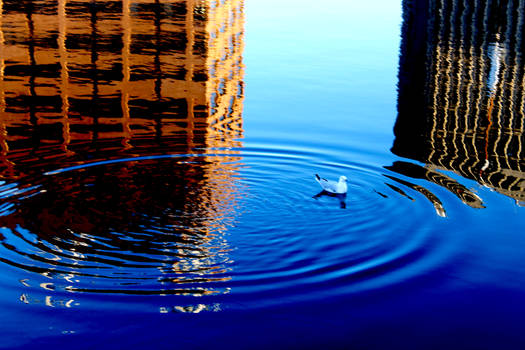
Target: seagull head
[(342, 179)]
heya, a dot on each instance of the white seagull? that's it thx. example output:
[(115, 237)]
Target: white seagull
[(329, 186)]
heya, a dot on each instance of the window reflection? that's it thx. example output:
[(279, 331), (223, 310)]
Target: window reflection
[(461, 102), (87, 81)]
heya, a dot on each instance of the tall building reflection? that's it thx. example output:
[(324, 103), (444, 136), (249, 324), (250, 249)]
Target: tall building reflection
[(461, 102), (89, 80), (86, 70)]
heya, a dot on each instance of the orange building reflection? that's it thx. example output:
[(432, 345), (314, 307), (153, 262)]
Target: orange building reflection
[(76, 71), (84, 81)]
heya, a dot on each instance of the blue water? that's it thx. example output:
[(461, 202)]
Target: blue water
[(227, 241)]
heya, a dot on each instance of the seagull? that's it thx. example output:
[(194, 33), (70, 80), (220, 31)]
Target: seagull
[(333, 187)]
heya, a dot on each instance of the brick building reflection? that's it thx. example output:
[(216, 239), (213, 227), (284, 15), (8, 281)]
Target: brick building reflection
[(78, 71), (461, 102), (86, 80)]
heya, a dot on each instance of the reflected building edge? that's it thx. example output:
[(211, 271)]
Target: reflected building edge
[(85, 80), (461, 98)]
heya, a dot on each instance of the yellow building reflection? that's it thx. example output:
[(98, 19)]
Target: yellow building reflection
[(90, 70), (90, 80)]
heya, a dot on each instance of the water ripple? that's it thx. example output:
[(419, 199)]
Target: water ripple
[(213, 224)]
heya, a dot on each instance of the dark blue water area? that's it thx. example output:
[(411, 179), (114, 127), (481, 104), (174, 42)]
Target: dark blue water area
[(400, 262), (420, 318)]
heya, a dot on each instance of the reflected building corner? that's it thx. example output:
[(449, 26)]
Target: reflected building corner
[(224, 61), (83, 81), (461, 93)]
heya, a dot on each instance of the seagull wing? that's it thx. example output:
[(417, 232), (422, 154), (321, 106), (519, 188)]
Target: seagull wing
[(327, 185)]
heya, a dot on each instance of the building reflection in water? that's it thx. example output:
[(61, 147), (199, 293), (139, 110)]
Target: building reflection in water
[(84, 81), (461, 102)]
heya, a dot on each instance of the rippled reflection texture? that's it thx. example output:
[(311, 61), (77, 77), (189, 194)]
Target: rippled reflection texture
[(95, 81), (462, 94)]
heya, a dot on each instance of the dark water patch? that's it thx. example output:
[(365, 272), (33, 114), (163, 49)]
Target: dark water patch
[(77, 226)]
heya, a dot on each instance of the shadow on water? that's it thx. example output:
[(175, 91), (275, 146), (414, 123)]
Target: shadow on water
[(153, 92), (340, 197), (461, 98)]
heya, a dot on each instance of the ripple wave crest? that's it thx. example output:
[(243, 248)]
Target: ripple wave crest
[(243, 230)]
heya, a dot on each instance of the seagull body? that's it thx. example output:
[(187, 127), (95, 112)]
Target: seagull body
[(339, 187)]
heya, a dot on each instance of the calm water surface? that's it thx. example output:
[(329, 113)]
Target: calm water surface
[(157, 164)]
